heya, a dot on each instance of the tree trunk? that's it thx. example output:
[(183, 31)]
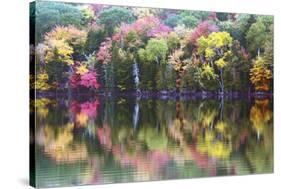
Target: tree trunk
[(221, 81), (136, 74), (157, 60), (221, 108), (122, 41), (178, 82)]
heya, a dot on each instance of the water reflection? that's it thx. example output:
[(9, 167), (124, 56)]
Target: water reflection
[(97, 141)]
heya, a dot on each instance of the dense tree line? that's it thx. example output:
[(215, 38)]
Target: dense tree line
[(101, 47)]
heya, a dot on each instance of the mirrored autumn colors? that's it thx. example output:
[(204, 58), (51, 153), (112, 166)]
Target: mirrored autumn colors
[(107, 140)]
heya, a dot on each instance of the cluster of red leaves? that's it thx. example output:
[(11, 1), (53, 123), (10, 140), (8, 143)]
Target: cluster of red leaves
[(203, 29), (74, 80), (159, 31), (104, 54), (149, 26), (88, 80)]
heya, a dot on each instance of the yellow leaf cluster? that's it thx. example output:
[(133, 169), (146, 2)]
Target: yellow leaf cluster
[(69, 34), (60, 43), (175, 59), (221, 63), (41, 82), (209, 53), (82, 69), (219, 39), (214, 45), (59, 51), (208, 72)]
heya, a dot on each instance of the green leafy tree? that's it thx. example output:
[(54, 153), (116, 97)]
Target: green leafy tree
[(192, 18), (222, 16), (243, 22), (236, 74), (113, 17), (132, 42), (123, 66), (172, 20), (49, 15), (88, 15), (268, 49), (173, 41), (256, 37), (94, 38), (230, 27), (155, 53)]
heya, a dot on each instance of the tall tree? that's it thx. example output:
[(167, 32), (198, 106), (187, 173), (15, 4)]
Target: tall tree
[(155, 51), (179, 64), (215, 52), (256, 37), (155, 54), (260, 75), (62, 47)]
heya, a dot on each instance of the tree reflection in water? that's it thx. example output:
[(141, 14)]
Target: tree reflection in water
[(104, 141)]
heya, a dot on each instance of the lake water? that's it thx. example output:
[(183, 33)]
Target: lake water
[(97, 140)]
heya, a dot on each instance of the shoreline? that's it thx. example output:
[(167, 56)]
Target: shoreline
[(162, 94)]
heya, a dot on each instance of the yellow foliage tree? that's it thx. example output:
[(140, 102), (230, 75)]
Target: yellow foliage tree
[(260, 75), (215, 54), (68, 34), (59, 51), (62, 42), (179, 64)]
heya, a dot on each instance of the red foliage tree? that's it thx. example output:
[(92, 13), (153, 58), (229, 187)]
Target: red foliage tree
[(89, 80), (203, 29), (148, 26), (104, 54), (74, 80)]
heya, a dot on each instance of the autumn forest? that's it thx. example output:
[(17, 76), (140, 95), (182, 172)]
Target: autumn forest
[(127, 94), (101, 48)]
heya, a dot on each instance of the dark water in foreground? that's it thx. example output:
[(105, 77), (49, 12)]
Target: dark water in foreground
[(96, 141)]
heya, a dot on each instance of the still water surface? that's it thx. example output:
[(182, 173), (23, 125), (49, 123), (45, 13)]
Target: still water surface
[(97, 141)]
